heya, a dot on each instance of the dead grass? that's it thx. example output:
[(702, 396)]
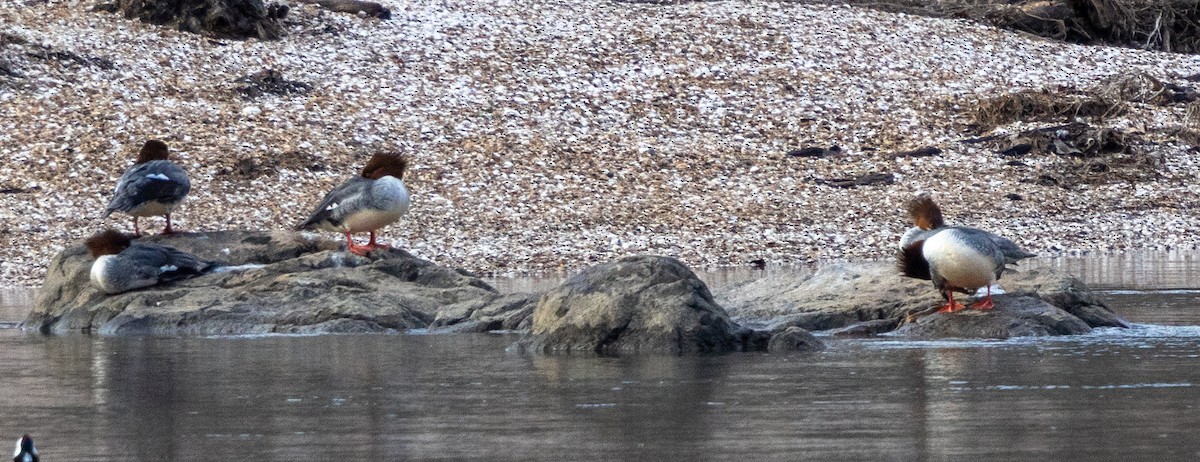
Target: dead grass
[(1162, 25), (1043, 105)]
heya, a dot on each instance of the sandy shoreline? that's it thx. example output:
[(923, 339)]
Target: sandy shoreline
[(552, 135)]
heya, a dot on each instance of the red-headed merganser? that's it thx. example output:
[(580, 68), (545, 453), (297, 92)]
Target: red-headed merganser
[(25, 451), (122, 265), (152, 187), (954, 257), (375, 199)]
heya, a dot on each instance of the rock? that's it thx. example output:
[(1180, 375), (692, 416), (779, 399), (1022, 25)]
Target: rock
[(1075, 297), (635, 304), (268, 82), (794, 339), (848, 294), (286, 284), (867, 328), (815, 320), (1015, 315)]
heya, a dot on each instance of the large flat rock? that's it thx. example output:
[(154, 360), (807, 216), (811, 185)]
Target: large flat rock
[(872, 297), (1015, 315), (286, 284)]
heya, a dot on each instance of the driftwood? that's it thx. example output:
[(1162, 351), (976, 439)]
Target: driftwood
[(353, 7), (1163, 25), (867, 179), (815, 151), (928, 151), (235, 19)]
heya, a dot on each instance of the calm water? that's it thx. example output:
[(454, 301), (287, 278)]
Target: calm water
[(1112, 395)]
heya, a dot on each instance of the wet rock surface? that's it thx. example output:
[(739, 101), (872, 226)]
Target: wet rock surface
[(277, 282), (635, 304), (862, 299), (1015, 315), (794, 339), (284, 282)]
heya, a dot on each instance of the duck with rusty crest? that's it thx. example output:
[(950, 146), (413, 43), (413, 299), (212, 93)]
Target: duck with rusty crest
[(955, 258), (153, 186), (365, 202), (122, 265)]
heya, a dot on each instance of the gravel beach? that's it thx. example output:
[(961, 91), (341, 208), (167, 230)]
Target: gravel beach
[(551, 135)]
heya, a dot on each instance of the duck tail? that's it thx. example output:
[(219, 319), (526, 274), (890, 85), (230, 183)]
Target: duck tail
[(912, 263)]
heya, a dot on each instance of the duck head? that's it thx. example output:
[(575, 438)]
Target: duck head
[(152, 150), (107, 242), (383, 164), (925, 212)]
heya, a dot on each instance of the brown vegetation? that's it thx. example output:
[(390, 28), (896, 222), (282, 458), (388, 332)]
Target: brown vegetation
[(234, 19), (1163, 25)]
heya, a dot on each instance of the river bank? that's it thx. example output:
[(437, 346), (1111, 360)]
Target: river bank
[(550, 136)]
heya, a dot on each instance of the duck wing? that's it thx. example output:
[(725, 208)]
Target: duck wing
[(164, 263), (352, 195), (1012, 252), (157, 180)]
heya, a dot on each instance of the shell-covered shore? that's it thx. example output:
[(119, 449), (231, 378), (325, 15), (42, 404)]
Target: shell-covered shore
[(550, 135)]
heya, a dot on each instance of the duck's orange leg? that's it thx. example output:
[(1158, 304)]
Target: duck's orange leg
[(985, 303), (375, 245), (355, 248), (951, 305), (168, 229)]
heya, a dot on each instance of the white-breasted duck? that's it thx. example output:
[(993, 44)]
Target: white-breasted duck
[(122, 265), (152, 187), (25, 451), (364, 203), (955, 258)]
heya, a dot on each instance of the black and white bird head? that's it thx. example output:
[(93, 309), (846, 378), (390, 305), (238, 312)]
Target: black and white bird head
[(25, 451)]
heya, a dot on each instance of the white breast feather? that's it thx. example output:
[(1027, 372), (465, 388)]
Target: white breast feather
[(960, 264), (99, 267)]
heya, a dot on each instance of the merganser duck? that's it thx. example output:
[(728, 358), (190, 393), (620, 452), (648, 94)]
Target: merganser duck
[(367, 202), (122, 265), (25, 451), (152, 187), (954, 257)]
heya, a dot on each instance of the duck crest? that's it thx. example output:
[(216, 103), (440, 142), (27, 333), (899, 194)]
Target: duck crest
[(107, 242), (152, 150), (925, 213), (912, 263), (384, 164)]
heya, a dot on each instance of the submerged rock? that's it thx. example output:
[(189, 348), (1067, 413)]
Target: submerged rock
[(794, 339), (636, 304), (274, 282), (870, 298)]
